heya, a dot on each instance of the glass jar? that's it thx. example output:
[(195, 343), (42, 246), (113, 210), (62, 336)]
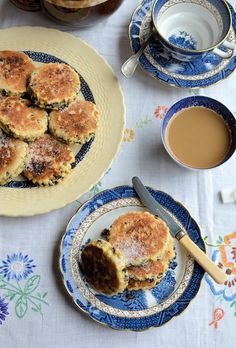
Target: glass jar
[(27, 5), (78, 13)]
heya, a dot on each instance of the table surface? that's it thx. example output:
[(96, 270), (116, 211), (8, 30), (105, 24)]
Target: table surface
[(54, 321)]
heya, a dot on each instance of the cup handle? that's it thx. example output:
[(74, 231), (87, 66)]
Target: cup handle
[(223, 54), (229, 44)]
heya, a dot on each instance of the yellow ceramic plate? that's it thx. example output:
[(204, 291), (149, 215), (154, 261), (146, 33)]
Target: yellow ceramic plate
[(20, 198)]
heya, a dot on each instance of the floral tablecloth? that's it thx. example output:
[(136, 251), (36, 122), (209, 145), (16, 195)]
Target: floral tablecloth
[(29, 246)]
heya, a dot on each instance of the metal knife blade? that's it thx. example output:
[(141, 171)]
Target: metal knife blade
[(156, 208)]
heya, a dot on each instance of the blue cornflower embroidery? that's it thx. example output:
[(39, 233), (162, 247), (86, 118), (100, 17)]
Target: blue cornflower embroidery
[(3, 310), (17, 267), (20, 286)]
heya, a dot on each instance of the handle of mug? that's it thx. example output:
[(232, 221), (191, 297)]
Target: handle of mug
[(223, 54)]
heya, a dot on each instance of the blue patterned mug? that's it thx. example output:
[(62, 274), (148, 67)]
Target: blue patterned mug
[(189, 29)]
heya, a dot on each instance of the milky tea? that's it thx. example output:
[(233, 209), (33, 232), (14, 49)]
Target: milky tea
[(198, 137)]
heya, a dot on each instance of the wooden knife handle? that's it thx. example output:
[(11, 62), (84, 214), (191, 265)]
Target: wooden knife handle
[(209, 266)]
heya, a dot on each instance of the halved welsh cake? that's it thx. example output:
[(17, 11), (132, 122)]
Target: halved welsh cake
[(104, 267)]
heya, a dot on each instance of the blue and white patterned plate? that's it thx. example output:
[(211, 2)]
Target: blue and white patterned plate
[(199, 73), (133, 310)]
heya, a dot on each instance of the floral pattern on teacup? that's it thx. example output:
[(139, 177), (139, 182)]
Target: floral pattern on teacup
[(183, 40)]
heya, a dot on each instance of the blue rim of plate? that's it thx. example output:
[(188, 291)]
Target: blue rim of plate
[(195, 74), (116, 321), (45, 58)]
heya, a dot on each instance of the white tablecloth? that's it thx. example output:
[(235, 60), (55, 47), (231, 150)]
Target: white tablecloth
[(54, 321)]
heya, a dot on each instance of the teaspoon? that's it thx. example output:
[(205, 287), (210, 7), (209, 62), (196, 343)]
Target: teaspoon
[(130, 65)]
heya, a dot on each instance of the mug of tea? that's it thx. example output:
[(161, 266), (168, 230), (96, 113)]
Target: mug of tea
[(199, 132), (189, 29)]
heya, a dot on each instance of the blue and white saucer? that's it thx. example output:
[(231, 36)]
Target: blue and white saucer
[(133, 310), (156, 61)]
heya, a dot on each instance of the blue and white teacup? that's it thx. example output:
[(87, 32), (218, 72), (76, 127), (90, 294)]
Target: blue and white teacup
[(189, 29)]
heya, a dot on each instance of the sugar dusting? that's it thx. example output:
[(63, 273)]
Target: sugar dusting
[(45, 152), (130, 251), (6, 150), (42, 153), (139, 235)]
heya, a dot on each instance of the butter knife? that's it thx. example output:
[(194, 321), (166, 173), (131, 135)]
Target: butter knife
[(178, 232)]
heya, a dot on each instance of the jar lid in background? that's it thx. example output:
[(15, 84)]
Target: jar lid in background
[(76, 4), (27, 5), (79, 13)]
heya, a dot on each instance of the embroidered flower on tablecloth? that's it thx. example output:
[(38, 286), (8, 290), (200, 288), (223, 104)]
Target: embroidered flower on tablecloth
[(20, 287), (128, 135), (17, 267), (218, 315), (3, 310), (225, 258), (160, 111)]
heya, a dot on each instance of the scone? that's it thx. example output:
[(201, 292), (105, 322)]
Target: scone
[(104, 267), (49, 161), (54, 85), (13, 157), (75, 124), (140, 236), (21, 120), (15, 70)]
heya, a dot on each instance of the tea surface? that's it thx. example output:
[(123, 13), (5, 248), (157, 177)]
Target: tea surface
[(198, 137)]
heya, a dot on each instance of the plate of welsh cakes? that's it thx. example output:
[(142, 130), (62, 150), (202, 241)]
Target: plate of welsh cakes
[(61, 119), (120, 264)]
